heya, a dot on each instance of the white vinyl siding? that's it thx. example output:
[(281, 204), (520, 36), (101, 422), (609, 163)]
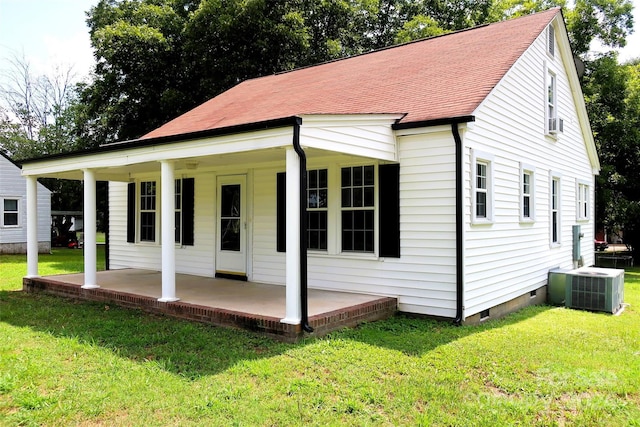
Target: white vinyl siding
[(423, 279), (197, 259), (513, 257)]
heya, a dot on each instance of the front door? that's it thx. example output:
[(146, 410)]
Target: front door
[(231, 246)]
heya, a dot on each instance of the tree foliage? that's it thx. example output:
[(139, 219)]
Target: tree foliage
[(612, 95)]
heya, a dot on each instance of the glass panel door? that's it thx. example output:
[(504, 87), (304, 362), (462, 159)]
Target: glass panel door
[(230, 206), (231, 233)]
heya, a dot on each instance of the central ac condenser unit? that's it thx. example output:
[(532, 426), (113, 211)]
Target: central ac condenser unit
[(595, 289)]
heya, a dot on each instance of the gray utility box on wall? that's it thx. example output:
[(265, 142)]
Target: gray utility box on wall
[(595, 289)]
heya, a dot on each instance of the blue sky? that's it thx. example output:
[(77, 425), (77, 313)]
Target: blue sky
[(54, 32), (48, 32)]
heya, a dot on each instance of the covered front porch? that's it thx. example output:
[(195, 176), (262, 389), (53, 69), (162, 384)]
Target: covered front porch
[(224, 302)]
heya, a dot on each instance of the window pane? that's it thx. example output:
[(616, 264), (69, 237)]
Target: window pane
[(230, 236), (346, 197), (312, 179), (10, 219), (312, 199), (322, 178), (346, 177), (178, 226), (357, 197), (369, 196), (481, 204), (322, 198), (230, 201), (10, 205), (369, 175), (357, 176), (357, 231), (148, 226), (317, 230), (526, 207)]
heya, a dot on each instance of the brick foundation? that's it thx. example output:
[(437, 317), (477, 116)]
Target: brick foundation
[(322, 324)]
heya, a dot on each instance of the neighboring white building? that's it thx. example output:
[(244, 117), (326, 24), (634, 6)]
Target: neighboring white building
[(13, 211), (448, 173)]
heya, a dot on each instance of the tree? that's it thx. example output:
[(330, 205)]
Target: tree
[(612, 96)]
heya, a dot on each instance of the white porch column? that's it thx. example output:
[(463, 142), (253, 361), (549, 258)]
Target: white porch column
[(32, 226), (89, 245), (293, 313), (168, 228)]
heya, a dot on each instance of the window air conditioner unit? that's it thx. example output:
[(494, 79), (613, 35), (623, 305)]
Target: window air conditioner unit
[(595, 289), (556, 125)]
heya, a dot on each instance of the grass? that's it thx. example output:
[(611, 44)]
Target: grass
[(69, 363)]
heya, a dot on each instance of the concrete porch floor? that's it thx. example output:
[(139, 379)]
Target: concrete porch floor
[(253, 306)]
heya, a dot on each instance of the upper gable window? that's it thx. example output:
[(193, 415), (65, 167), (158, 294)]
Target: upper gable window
[(551, 115), (551, 40)]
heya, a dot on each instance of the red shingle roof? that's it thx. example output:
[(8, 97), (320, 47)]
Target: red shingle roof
[(437, 78)]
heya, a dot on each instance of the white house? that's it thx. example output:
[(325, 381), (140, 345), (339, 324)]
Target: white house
[(13, 210), (448, 173)]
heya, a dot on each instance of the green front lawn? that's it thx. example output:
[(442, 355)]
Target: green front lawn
[(68, 363)]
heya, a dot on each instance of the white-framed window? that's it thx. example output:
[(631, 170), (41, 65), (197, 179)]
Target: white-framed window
[(178, 211), (482, 187), (148, 191), (10, 212), (555, 213), (582, 198), (552, 124), (358, 208), (527, 193), (551, 40), (317, 209)]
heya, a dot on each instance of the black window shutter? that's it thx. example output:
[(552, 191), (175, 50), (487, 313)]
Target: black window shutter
[(389, 212), (131, 212), (188, 212), (281, 212)]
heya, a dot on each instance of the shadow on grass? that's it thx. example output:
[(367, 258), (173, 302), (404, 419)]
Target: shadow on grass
[(185, 348), (193, 350), (416, 336)]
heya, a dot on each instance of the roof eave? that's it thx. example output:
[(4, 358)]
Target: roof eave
[(434, 122), (147, 142)]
